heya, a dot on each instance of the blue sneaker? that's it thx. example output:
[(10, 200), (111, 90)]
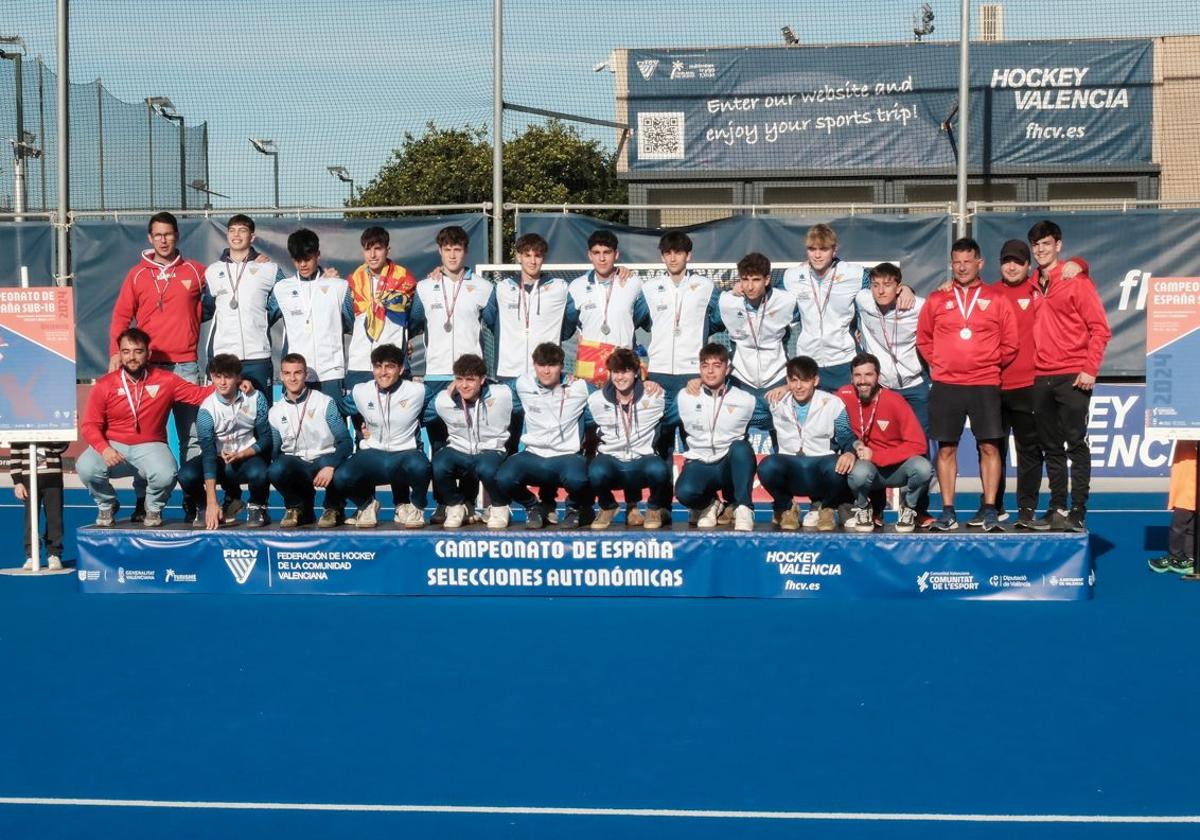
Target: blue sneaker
[(948, 521), (991, 520)]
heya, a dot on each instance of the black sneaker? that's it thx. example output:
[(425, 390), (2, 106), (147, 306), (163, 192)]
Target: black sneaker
[(571, 519), (1025, 519), (439, 516), (1057, 517), (1076, 521), (535, 517), (257, 516), (1182, 566), (1165, 563), (1002, 515), (139, 511), (977, 520)]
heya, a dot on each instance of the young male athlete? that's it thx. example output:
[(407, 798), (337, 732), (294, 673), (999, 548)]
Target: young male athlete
[(967, 334), (477, 417), (627, 420), (718, 456), (235, 446), (390, 451), (125, 425), (554, 412), (237, 291), (316, 311), (381, 293), (604, 300), (815, 449), (309, 441), (1071, 333), (890, 446)]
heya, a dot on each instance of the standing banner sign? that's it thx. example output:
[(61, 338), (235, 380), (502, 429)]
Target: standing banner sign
[(1173, 358), (37, 364)]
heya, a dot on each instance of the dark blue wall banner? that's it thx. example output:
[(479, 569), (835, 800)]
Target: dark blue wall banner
[(671, 564), (1124, 250), (1033, 103), (919, 243), (104, 250), (26, 253)]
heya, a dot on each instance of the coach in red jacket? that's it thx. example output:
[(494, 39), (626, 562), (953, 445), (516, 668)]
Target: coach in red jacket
[(125, 426), (1071, 333), (966, 334), (890, 445)]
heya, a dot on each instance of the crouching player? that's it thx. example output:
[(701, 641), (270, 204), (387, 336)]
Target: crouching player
[(389, 453), (235, 443), (890, 446), (552, 437), (815, 449), (718, 456), (477, 417), (309, 441), (627, 418)]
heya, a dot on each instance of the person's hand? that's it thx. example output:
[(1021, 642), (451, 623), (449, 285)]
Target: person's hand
[(331, 272), (907, 299), (652, 389), (212, 517), (1071, 269), (776, 394), (623, 275), (239, 455), (112, 457), (947, 286), (262, 258), (845, 463), (246, 387), (570, 380), (863, 452), (20, 492), (114, 362), (364, 430), (452, 388), (323, 477), (693, 387), (736, 288), (1084, 381)]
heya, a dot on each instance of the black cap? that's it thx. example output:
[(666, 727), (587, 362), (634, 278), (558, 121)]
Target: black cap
[(1014, 249)]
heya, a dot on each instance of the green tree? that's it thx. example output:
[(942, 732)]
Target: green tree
[(545, 164)]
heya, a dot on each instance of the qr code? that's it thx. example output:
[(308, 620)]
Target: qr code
[(660, 135)]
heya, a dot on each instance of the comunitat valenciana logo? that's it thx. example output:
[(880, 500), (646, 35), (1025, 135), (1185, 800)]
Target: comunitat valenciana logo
[(241, 562)]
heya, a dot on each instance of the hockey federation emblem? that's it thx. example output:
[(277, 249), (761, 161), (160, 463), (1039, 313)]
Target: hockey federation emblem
[(646, 67), (882, 424), (241, 562), (984, 304), (152, 391), (1023, 303)]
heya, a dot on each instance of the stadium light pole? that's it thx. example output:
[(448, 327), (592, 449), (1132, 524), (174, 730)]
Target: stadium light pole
[(63, 121), (964, 111), (167, 110), (271, 149), (343, 175), (497, 131), (19, 136)]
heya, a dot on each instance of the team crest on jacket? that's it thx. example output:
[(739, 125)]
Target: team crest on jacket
[(1023, 303), (984, 304), (404, 403), (187, 284), (883, 424), (949, 304), (152, 391)]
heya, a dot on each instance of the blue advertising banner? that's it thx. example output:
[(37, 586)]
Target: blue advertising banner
[(1033, 103), (26, 253), (670, 564), (1153, 243), (1173, 357), (37, 364), (1117, 436), (104, 250)]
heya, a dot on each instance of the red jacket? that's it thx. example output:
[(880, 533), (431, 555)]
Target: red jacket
[(108, 416), (174, 329), (1071, 329), (892, 431), (974, 361), (1023, 299)]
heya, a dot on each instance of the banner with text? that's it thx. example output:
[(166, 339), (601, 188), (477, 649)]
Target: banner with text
[(37, 364), (867, 107), (670, 564), (1173, 357)]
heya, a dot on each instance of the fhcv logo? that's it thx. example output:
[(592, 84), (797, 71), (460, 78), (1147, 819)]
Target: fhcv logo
[(241, 562)]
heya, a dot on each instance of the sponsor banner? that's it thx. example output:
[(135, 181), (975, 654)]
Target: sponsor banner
[(1154, 243), (1120, 444), (26, 253), (37, 364), (1173, 357), (667, 564), (869, 107), (103, 251)]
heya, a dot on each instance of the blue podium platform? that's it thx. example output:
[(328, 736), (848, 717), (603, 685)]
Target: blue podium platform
[(681, 562)]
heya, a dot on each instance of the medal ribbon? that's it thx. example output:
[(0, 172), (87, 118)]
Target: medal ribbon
[(134, 407), (964, 308)]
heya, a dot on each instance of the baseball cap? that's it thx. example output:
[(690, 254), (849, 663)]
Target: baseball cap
[(1014, 249)]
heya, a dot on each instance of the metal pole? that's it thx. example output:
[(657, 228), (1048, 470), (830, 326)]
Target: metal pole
[(964, 112), (42, 128), (182, 166), (275, 163), (64, 141), (207, 180), (351, 201), (497, 130), (19, 147), (100, 122), (150, 147), (35, 529)]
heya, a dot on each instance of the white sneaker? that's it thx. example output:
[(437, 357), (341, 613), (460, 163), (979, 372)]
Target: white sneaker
[(498, 516), (366, 516), (861, 520), (456, 515), (743, 518), (54, 563), (477, 517), (28, 567), (708, 516), (409, 516), (812, 518)]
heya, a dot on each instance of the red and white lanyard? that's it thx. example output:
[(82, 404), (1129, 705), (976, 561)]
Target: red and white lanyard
[(965, 308), (626, 412), (473, 421), (716, 415), (134, 405), (867, 425), (762, 308), (451, 304), (894, 342), (385, 416), (301, 409), (165, 274), (524, 304), (815, 284)]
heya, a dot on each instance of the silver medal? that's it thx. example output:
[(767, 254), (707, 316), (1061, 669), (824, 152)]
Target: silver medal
[(678, 331), (605, 329), (965, 333), (448, 327), (233, 304)]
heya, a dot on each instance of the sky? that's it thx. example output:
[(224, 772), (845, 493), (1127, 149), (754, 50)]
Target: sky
[(339, 83)]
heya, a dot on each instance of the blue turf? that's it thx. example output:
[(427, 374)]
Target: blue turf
[(895, 706)]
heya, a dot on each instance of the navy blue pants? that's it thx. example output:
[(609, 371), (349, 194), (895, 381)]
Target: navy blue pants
[(733, 476), (293, 478), (672, 384), (259, 372), (761, 419), (457, 474), (787, 476), (606, 473), (523, 469), (251, 472), (407, 472), (835, 376)]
